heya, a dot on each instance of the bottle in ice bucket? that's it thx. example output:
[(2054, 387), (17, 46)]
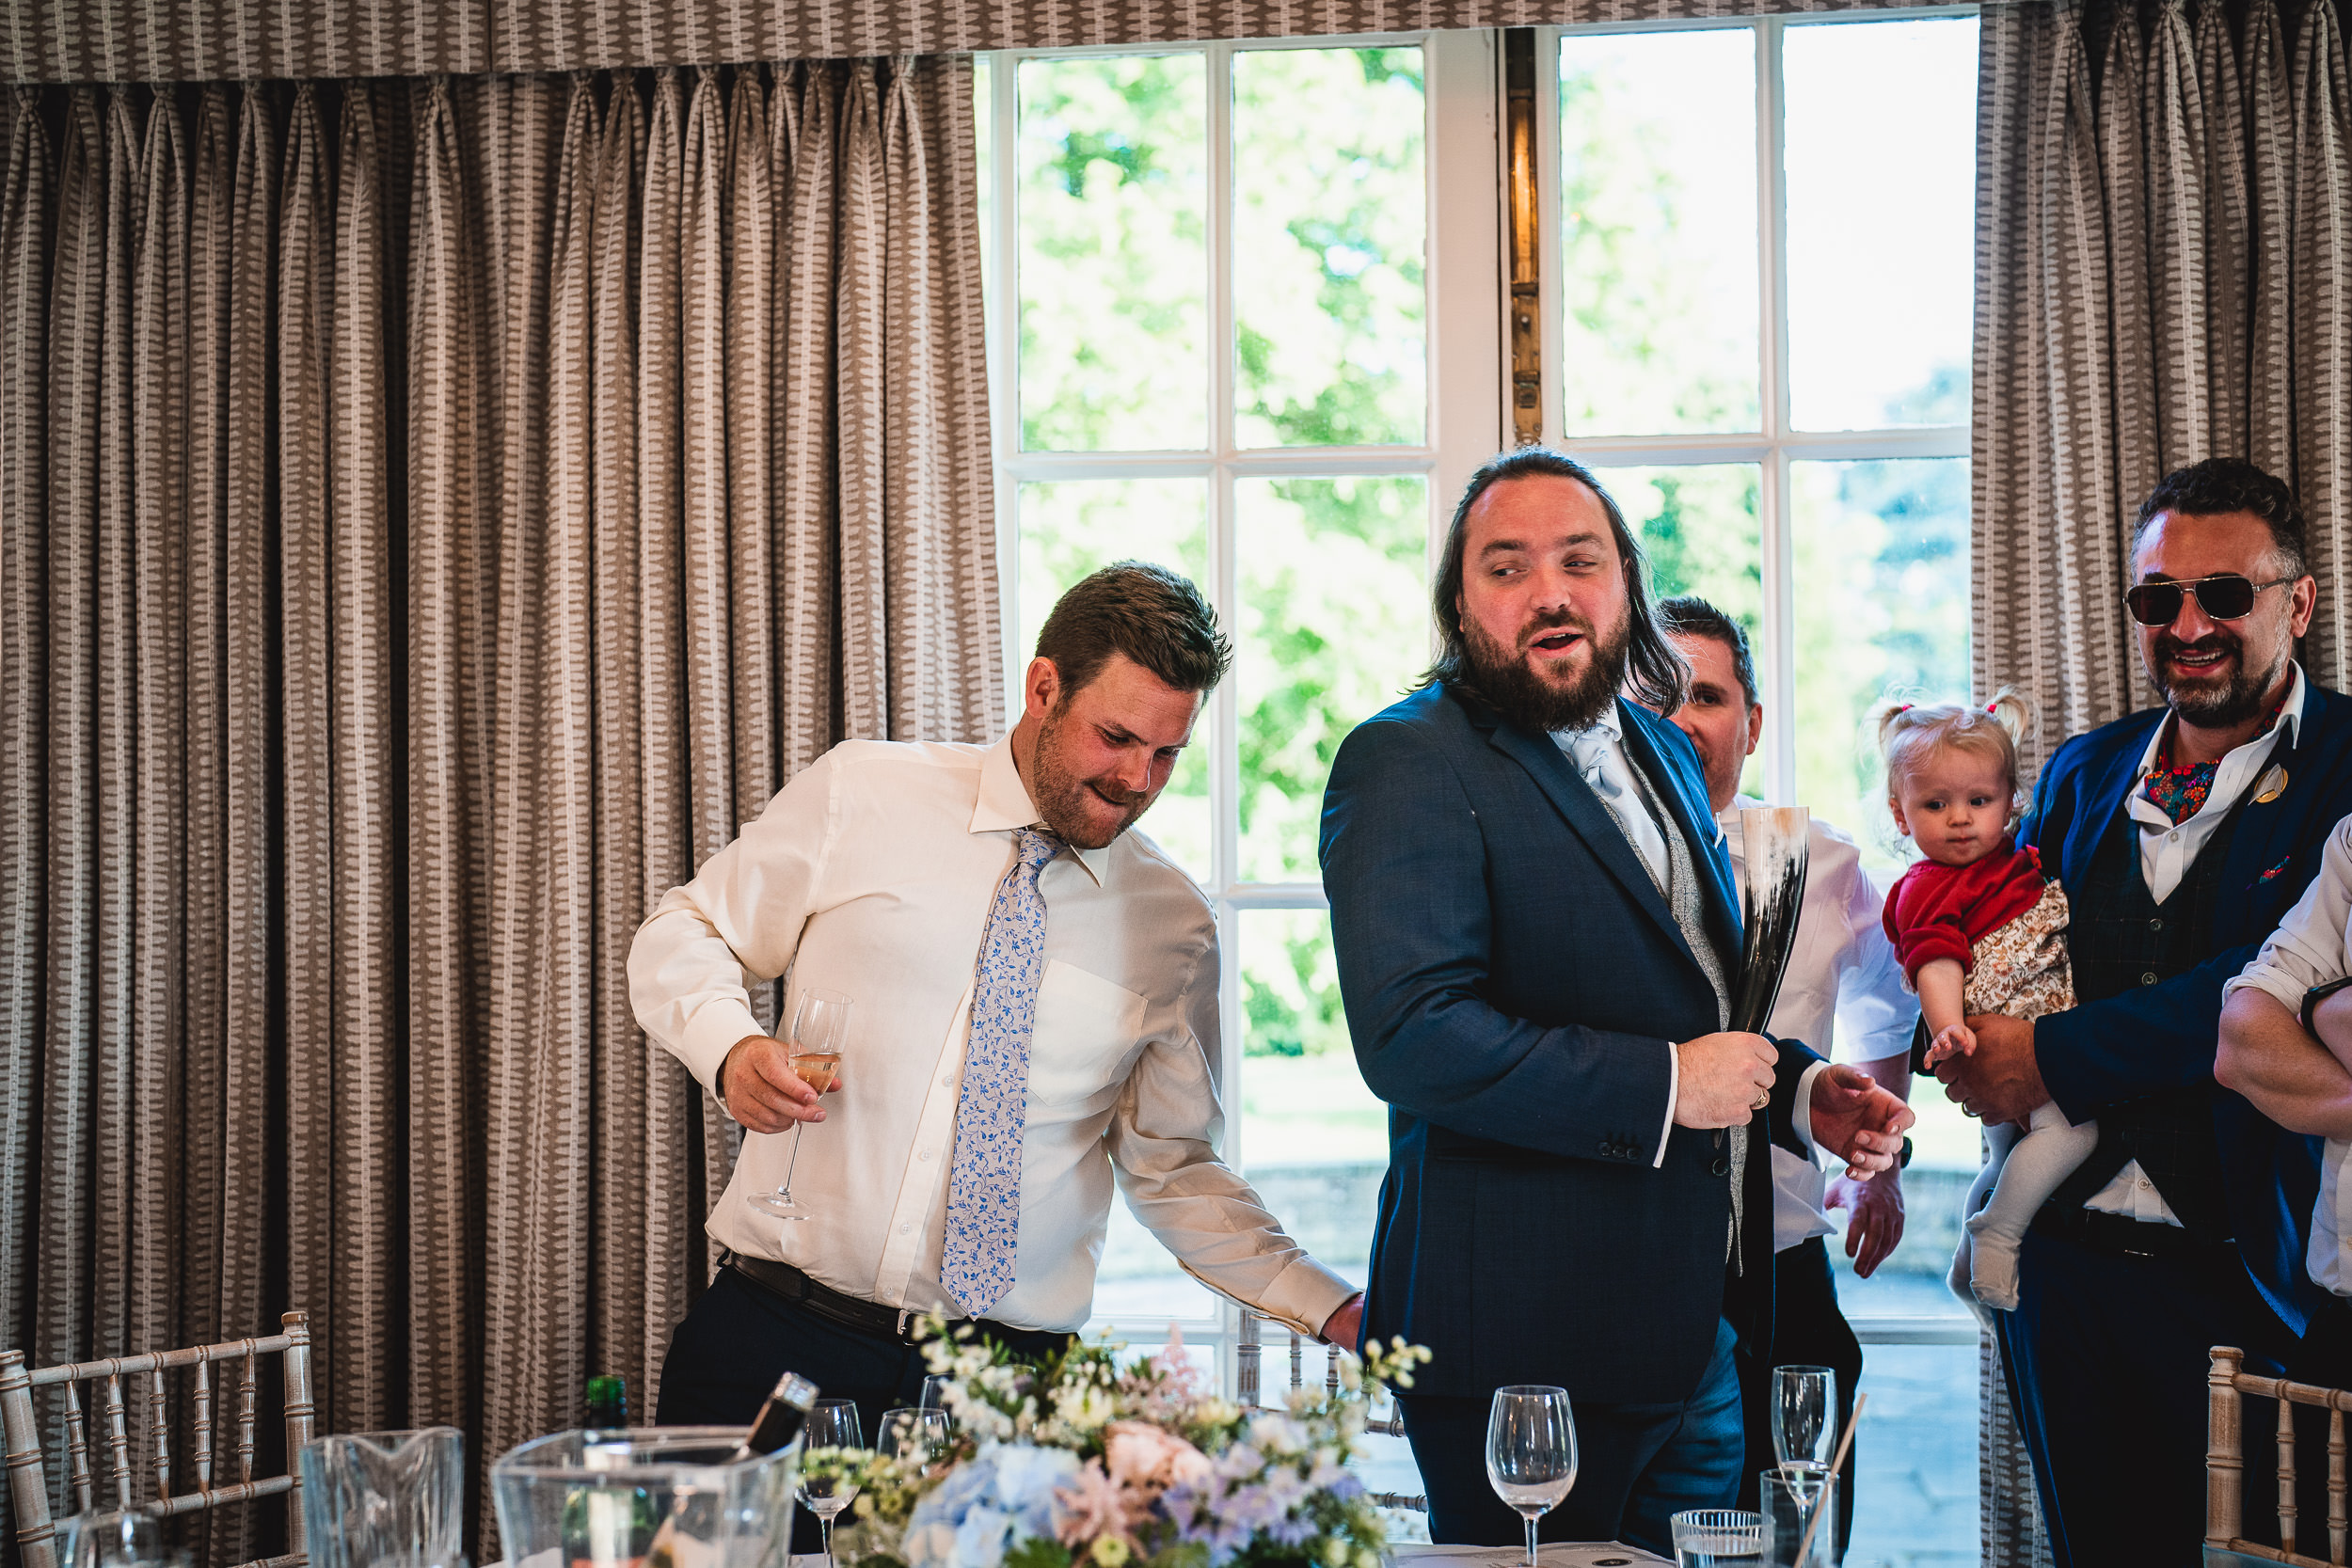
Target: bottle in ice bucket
[(608, 1526)]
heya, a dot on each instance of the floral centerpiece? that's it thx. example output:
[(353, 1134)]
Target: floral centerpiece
[(1077, 1462)]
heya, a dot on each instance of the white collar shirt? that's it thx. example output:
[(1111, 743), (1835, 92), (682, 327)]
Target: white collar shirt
[(872, 873), (2313, 946), (1842, 994), (2169, 848), (2166, 850)]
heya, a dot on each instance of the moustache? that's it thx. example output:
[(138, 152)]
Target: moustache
[(1547, 621), (2169, 646)]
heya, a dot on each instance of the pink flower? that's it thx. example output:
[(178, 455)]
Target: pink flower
[(1094, 1506), (1151, 1459)]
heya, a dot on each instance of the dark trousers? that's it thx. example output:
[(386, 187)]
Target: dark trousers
[(1808, 1330), (1637, 1463), (738, 1339), (2107, 1359)]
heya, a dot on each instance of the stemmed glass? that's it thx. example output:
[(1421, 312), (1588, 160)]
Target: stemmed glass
[(819, 1025), (832, 1424), (913, 1433), (935, 1392), (1804, 1399), (1530, 1451)]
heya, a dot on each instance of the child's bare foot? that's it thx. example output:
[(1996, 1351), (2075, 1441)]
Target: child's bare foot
[(1953, 1040)]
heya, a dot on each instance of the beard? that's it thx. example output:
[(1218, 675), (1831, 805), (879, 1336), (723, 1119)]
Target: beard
[(2214, 704), (1071, 806), (1523, 697)]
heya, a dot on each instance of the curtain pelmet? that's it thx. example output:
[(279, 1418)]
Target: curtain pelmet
[(422, 545)]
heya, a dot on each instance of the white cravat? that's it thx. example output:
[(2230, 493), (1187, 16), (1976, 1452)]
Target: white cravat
[(1597, 753)]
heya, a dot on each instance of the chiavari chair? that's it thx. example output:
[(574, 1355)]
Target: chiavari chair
[(2225, 1463), (119, 1458), (1250, 1381)]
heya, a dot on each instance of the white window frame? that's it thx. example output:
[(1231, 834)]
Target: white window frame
[(1774, 446), (1463, 320)]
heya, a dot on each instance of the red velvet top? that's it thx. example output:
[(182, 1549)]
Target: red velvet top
[(1941, 911)]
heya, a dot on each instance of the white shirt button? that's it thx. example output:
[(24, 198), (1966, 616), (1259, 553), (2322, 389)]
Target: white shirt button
[(927, 1156), (905, 1229), (949, 1081), (2174, 836)]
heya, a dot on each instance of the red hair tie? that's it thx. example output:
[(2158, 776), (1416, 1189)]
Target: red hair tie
[(1992, 707), (1904, 707)]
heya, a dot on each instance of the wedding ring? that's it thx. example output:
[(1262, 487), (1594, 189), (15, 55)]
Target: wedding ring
[(1763, 1098)]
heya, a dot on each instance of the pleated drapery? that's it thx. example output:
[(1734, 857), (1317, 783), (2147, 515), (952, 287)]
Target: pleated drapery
[(433, 516), (2164, 273)]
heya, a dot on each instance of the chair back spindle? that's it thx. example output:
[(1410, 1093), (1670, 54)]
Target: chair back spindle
[(1246, 1382), (28, 1487), (2228, 1383)]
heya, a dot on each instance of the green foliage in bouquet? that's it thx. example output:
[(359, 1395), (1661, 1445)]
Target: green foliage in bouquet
[(1077, 1462)]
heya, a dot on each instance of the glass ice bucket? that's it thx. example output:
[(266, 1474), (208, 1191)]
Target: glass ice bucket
[(386, 1499), (649, 1498)]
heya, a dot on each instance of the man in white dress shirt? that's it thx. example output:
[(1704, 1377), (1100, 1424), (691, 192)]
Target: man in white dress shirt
[(1843, 996), (1034, 1017)]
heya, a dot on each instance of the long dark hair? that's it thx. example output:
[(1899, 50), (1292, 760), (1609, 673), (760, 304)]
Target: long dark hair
[(1654, 668)]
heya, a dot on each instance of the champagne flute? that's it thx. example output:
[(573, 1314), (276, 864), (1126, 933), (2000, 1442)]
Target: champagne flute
[(913, 1433), (1804, 1400), (1530, 1451), (819, 1025), (832, 1424)]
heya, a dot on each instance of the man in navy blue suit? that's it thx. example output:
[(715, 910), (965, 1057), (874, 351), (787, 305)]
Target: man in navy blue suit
[(1537, 943), (2181, 834)]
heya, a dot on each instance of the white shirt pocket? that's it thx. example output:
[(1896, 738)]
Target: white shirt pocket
[(1086, 1030)]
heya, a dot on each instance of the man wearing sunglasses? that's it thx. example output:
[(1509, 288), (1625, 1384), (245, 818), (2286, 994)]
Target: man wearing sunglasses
[(2181, 834)]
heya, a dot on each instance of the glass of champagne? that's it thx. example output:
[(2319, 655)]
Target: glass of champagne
[(1530, 1451), (832, 1424), (820, 1023), (1804, 1403), (913, 1433)]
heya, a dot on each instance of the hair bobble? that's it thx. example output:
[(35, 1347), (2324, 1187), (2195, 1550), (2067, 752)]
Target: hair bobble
[(1992, 707), (1904, 707)]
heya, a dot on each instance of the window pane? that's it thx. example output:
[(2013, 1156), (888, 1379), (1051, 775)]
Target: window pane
[(1658, 249), (1915, 1456), (1068, 528), (1881, 159), (1315, 1138), (1881, 570), (1333, 626), (1114, 252), (1328, 220), (1699, 527)]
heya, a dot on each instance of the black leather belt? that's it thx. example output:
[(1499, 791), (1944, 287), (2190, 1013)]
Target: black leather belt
[(789, 1285), (2121, 1236)]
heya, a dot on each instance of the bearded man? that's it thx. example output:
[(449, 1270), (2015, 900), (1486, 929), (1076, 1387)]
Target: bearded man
[(2181, 834), (982, 1105), (1537, 943)]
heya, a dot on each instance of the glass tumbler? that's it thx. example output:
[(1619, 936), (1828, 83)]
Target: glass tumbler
[(385, 1499), (612, 1499), (128, 1538), (1718, 1538), (1792, 1500)]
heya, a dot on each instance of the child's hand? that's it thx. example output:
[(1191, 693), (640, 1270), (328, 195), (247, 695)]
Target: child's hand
[(1954, 1040)]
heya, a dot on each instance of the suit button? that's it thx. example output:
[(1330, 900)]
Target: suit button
[(2155, 925), (1721, 1165), (1608, 1150), (2148, 979)]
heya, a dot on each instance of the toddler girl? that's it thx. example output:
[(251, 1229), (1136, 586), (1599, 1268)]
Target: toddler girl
[(1979, 930)]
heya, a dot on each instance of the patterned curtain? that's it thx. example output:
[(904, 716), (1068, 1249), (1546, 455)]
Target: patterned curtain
[(433, 515), (110, 41), (2164, 273)]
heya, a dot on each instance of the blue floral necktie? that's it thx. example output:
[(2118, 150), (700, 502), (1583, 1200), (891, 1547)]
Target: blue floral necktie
[(984, 1186)]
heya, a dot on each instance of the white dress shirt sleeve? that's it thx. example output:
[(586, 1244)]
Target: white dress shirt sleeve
[(736, 925), (1163, 1137), (2307, 948), (1875, 1014)]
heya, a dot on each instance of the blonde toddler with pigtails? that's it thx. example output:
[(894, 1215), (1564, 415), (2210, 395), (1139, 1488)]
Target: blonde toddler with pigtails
[(1979, 929)]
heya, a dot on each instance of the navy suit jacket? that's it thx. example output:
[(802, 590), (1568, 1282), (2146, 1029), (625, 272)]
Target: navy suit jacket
[(1512, 978), (2164, 1037)]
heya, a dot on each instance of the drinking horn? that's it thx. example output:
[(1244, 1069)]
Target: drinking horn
[(1774, 841)]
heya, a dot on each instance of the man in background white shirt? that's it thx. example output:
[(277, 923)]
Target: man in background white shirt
[(1033, 1015), (1842, 971)]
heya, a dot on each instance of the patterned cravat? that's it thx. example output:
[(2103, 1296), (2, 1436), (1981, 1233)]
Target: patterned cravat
[(984, 1187)]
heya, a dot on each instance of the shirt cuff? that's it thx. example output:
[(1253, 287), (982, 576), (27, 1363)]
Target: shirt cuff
[(1802, 1119), (1674, 1092), (1302, 1297), (711, 1034)]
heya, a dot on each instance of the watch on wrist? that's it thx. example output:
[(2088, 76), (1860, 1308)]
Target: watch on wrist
[(2313, 997), (1902, 1160)]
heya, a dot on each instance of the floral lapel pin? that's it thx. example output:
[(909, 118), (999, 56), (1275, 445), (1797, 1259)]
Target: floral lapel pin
[(2275, 872)]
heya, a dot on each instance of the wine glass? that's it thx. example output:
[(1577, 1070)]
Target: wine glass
[(1530, 1451), (1804, 1399), (913, 1433), (819, 1025), (832, 1424), (935, 1392)]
